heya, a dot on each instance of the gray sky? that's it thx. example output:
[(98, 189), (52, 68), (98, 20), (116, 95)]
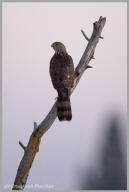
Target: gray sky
[(28, 95)]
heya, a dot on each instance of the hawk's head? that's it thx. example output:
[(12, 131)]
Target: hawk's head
[(59, 48)]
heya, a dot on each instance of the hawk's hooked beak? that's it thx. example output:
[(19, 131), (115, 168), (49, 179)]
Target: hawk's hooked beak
[(52, 45)]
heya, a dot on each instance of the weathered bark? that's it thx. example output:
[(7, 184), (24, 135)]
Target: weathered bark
[(34, 141)]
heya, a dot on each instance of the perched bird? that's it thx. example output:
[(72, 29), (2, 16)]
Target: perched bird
[(62, 76)]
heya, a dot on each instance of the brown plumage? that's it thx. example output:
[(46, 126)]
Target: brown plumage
[(62, 76)]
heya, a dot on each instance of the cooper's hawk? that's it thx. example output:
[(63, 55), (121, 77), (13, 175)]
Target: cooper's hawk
[(62, 76)]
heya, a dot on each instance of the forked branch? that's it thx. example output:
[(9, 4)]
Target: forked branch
[(33, 145)]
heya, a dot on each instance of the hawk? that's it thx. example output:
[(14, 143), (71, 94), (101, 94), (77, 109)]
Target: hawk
[(62, 76)]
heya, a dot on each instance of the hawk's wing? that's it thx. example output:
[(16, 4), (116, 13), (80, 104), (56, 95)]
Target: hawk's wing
[(62, 71), (70, 72)]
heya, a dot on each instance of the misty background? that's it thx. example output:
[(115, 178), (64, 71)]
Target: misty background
[(90, 151)]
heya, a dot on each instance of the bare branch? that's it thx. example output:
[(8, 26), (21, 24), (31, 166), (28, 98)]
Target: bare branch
[(34, 141), (85, 35), (23, 147), (88, 66), (35, 125)]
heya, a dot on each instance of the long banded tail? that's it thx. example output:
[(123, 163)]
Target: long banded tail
[(64, 112)]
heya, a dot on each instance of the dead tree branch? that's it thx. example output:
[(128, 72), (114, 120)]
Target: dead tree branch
[(33, 145)]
